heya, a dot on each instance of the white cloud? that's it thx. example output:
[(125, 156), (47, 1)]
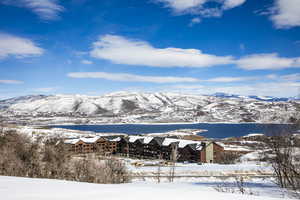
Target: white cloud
[(183, 5), (284, 78), (267, 61), (17, 46), (131, 77), (120, 50), (86, 62), (286, 13), (45, 9), (291, 77), (11, 82), (229, 4), (232, 79), (195, 20), (277, 89), (201, 7), (272, 76), (229, 79)]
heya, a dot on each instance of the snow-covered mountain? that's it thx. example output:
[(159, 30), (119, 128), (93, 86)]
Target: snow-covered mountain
[(8, 102), (151, 107), (261, 98)]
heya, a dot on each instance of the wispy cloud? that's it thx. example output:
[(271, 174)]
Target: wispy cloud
[(17, 46), (121, 50), (201, 8), (290, 77), (278, 89), (131, 77), (233, 79), (195, 20), (11, 82), (267, 61), (45, 9), (86, 62), (264, 78)]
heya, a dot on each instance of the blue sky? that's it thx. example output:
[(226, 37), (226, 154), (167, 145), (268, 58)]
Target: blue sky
[(92, 47)]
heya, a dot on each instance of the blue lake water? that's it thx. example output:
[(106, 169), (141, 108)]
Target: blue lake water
[(213, 130)]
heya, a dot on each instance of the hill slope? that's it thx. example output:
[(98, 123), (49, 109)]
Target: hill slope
[(46, 189), (152, 107)]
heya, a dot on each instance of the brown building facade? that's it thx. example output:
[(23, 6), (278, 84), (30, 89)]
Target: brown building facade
[(150, 148)]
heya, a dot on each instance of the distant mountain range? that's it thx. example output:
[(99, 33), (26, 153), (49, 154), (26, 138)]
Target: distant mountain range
[(260, 98), (150, 107)]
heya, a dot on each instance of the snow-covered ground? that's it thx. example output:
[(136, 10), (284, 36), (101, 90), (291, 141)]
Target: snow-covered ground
[(56, 132), (179, 132), (13, 188), (149, 168)]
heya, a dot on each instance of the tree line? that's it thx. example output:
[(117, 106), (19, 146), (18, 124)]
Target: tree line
[(43, 158)]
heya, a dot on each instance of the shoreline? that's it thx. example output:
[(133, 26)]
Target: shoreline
[(163, 123)]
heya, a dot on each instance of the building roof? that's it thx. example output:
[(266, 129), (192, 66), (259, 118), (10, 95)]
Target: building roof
[(91, 140), (143, 139), (117, 139), (196, 145), (71, 141)]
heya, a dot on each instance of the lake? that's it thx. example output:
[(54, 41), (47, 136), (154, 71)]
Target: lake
[(213, 130)]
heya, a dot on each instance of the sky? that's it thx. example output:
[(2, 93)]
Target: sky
[(93, 47)]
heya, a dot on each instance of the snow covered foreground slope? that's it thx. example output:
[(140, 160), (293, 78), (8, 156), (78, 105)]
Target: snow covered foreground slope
[(12, 188), (142, 107)]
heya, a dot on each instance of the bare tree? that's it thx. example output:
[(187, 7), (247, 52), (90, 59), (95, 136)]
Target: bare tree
[(238, 186), (21, 156), (284, 155), (173, 157), (229, 157), (158, 173)]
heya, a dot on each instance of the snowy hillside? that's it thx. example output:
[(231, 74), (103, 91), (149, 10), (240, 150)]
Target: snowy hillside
[(152, 107), (8, 102), (13, 188)]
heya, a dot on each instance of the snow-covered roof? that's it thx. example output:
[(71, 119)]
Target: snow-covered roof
[(254, 135), (146, 140), (197, 145), (83, 139), (90, 140), (167, 141), (182, 143), (71, 141), (132, 139), (118, 139)]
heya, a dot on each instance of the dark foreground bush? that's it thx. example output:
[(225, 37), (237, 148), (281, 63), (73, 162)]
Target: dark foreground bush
[(20, 156)]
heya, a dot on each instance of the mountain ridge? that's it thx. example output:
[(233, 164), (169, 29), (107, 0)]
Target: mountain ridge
[(149, 107)]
